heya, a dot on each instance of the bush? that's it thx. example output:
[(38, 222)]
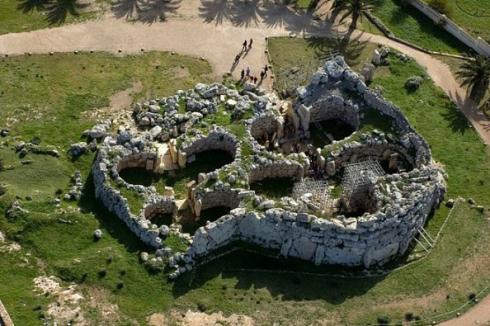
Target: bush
[(202, 307), (384, 320), (409, 316), (441, 6), (413, 83), (3, 190), (2, 165)]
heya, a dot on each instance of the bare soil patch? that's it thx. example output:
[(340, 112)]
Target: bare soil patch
[(193, 318)]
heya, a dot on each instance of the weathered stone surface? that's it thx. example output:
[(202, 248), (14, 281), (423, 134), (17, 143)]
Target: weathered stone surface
[(370, 239), (78, 149)]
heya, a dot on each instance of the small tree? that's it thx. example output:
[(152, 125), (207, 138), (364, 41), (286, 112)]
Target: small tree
[(485, 107), (353, 9), (475, 75)]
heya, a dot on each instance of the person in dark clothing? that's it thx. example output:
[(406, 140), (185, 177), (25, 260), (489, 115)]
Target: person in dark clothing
[(262, 75), (244, 46), (266, 69), (250, 43), (242, 74)]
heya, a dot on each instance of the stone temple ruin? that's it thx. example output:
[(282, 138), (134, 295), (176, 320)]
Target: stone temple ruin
[(360, 193)]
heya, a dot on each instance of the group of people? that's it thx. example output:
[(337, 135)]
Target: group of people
[(245, 74), (245, 48)]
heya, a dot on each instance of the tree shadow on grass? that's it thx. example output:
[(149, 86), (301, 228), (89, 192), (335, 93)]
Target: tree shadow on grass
[(350, 48), (58, 11), (399, 14), (457, 120), (27, 6), (431, 29)]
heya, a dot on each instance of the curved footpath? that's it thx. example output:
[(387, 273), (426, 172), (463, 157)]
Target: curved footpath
[(188, 32), (478, 315)]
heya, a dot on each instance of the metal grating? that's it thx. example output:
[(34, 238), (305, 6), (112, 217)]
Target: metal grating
[(320, 193), (359, 175)]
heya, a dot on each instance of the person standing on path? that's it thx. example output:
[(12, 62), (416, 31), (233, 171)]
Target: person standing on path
[(262, 75), (248, 71), (244, 46), (266, 68), (250, 44), (242, 74)]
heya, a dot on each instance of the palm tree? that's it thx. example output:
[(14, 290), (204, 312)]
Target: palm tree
[(475, 75), (485, 107), (353, 8)]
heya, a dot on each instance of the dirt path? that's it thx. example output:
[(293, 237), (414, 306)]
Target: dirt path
[(478, 315), (214, 30)]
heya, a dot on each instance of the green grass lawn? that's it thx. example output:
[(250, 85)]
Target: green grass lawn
[(309, 55), (20, 16), (60, 241), (473, 16), (49, 97), (410, 24)]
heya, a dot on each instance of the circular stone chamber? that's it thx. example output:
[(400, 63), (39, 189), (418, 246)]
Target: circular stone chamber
[(305, 178)]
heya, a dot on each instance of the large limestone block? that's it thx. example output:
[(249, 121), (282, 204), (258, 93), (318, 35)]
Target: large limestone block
[(248, 226), (173, 151), (182, 159), (319, 255), (330, 168), (223, 232), (304, 115), (305, 248), (197, 208), (150, 165), (372, 256)]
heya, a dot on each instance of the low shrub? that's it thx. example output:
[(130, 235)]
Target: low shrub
[(384, 320), (413, 83)]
